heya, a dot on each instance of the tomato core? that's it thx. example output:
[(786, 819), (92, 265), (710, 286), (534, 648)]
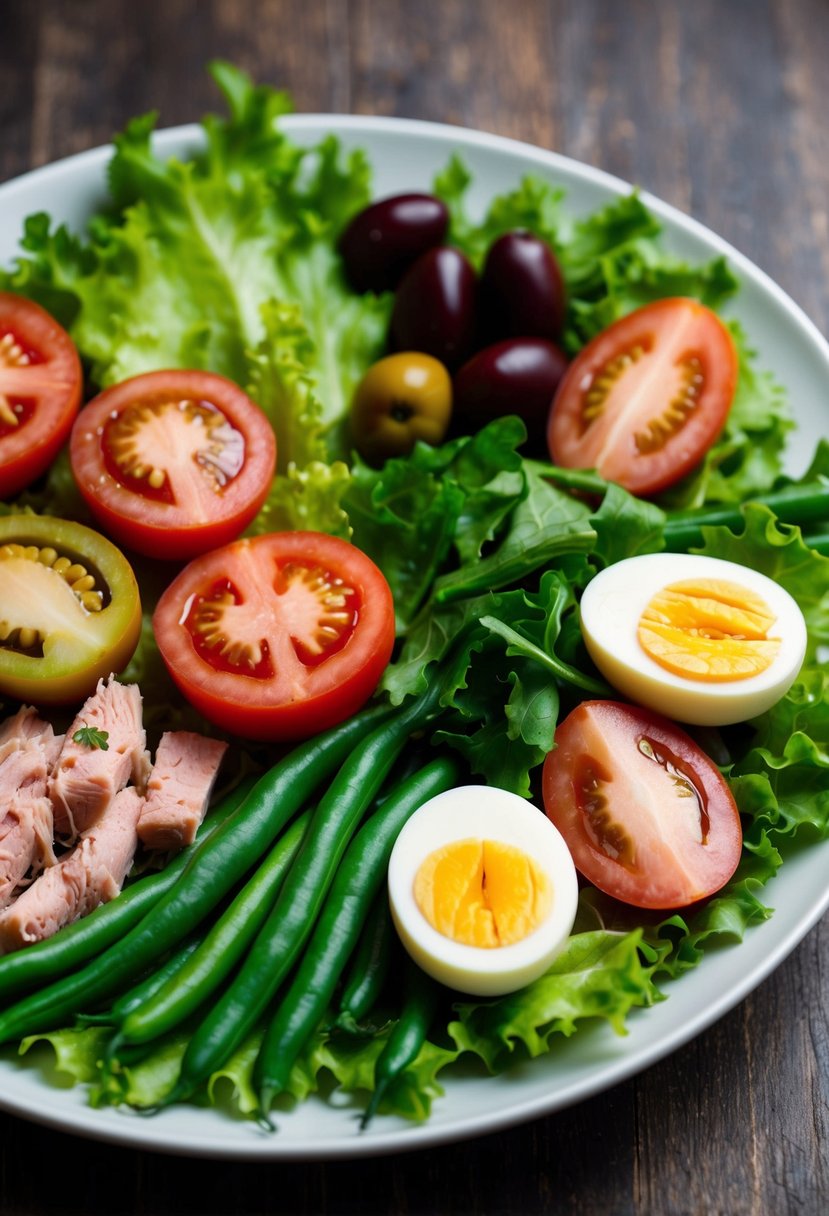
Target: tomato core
[(173, 463), (173, 451), (311, 606), (277, 636)]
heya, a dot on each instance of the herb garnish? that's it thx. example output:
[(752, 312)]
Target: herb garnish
[(91, 736)]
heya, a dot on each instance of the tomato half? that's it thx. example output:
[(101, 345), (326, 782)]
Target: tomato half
[(173, 463), (648, 818), (70, 612), (40, 391), (643, 402), (277, 636)]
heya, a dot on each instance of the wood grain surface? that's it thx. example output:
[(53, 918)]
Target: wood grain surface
[(718, 106)]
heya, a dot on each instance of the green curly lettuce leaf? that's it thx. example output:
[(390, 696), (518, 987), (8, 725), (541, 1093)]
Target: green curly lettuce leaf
[(193, 259), (410, 514), (600, 974)]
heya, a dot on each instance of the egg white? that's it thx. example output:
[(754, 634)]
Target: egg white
[(611, 608), (486, 813)]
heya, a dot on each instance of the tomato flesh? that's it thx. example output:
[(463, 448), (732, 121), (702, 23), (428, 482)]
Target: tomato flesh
[(173, 463), (644, 400), (647, 816), (70, 612), (40, 391), (278, 636)]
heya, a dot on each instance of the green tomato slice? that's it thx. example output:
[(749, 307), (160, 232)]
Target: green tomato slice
[(70, 611)]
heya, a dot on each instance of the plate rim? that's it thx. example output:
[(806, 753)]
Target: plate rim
[(134, 1131)]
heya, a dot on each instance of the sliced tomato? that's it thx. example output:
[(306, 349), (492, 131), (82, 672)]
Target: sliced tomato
[(648, 818), (40, 391), (70, 612), (644, 401), (173, 463), (277, 636)]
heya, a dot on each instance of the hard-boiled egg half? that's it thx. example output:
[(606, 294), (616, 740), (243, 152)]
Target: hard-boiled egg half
[(482, 890), (702, 640)]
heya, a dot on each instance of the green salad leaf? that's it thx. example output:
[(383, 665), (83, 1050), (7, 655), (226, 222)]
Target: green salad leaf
[(196, 263), (599, 975), (411, 513)]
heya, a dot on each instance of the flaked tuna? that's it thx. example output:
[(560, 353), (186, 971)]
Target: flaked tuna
[(178, 790), (91, 874), (24, 764), (87, 777), (26, 825), (26, 830), (24, 725), (29, 735)]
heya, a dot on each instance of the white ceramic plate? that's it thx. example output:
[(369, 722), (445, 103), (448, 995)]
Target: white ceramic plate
[(405, 155)]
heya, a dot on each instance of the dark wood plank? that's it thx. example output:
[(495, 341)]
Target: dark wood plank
[(18, 52), (721, 110)]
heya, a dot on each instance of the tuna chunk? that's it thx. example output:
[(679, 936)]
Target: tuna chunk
[(91, 874), (24, 764), (25, 724), (178, 790), (25, 840), (87, 778), (32, 741), (26, 826)]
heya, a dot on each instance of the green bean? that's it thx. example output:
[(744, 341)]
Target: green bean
[(213, 869), (87, 938), (135, 997), (421, 997), (219, 952), (803, 504), (368, 969), (357, 881), (292, 919)]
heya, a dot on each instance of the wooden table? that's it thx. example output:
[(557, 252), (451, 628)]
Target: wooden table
[(719, 106)]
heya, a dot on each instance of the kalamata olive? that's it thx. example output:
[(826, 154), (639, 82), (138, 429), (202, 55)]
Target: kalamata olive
[(435, 309), (516, 376), (380, 243), (522, 289), (400, 399)]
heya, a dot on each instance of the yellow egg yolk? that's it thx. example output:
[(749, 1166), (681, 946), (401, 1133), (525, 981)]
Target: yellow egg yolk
[(709, 630), (482, 892)]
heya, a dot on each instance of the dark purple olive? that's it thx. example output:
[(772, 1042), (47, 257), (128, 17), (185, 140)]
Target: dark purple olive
[(516, 376), (380, 244), (522, 289), (435, 309)]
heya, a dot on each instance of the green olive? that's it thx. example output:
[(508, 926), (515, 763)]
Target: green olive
[(401, 399)]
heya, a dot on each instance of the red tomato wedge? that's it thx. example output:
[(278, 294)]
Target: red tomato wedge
[(644, 401), (279, 636), (40, 391), (648, 818), (173, 463)]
